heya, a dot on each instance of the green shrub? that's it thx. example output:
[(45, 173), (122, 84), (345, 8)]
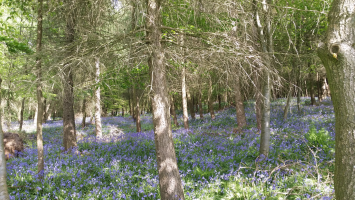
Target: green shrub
[(320, 138)]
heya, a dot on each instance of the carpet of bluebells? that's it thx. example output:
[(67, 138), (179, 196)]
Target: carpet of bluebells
[(214, 162)]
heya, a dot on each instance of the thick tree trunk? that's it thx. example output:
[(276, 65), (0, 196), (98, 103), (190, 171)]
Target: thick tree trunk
[(172, 110), (3, 185), (241, 119), (169, 178), (83, 122), (210, 99), (200, 103), (184, 98), (338, 56), (69, 131), (21, 113), (98, 126), (40, 98)]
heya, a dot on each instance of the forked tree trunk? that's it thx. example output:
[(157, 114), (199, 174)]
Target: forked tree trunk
[(210, 99), (98, 126), (40, 166), (21, 113), (338, 56), (172, 109), (241, 119), (169, 178), (69, 131), (3, 185), (184, 98), (83, 122)]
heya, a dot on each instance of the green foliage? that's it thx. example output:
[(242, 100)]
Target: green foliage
[(14, 46), (320, 138)]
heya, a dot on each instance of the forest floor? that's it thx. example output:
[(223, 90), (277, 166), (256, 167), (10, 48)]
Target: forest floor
[(214, 163)]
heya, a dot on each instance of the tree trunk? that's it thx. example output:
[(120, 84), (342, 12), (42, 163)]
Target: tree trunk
[(311, 89), (190, 104), (287, 104), (172, 110), (83, 122), (98, 126), (169, 178), (241, 119), (219, 102), (200, 103), (338, 56), (258, 101), (122, 112), (138, 117), (184, 98), (40, 98), (21, 113), (69, 131), (3, 185), (266, 44), (210, 99)]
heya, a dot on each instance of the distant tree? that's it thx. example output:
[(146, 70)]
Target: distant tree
[(338, 56)]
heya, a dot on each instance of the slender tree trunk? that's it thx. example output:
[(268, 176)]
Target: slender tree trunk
[(200, 103), (83, 122), (311, 89), (169, 178), (172, 110), (3, 185), (21, 113), (184, 98), (138, 117), (241, 119), (338, 56), (219, 101), (287, 104), (122, 112), (258, 101), (191, 104), (40, 98), (98, 126), (69, 131), (267, 47), (210, 99)]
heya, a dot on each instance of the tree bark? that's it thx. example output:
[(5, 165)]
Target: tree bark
[(311, 89), (40, 98), (3, 185), (69, 131), (169, 178), (258, 101), (122, 112), (191, 104), (98, 126), (241, 119), (184, 98), (83, 122), (21, 113), (338, 56)]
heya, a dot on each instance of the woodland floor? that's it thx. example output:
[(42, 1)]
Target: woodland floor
[(213, 162)]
